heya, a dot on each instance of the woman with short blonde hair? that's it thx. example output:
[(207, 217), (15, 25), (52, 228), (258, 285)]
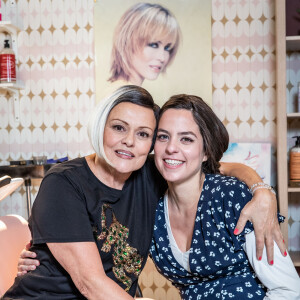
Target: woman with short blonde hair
[(142, 25)]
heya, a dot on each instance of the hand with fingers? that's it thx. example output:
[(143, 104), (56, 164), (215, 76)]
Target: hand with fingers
[(27, 261), (262, 212)]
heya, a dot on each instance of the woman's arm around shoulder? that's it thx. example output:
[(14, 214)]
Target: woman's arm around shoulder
[(261, 211), (27, 261)]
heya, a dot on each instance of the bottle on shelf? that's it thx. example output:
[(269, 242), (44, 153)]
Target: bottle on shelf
[(295, 163), (7, 64)]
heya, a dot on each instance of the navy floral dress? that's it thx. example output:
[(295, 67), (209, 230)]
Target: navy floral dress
[(219, 268)]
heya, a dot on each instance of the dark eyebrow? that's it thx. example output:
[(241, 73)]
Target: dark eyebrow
[(188, 133), (180, 133), (141, 127), (120, 121), (160, 42)]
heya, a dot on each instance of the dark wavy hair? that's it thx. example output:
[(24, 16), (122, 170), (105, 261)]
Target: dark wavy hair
[(214, 134)]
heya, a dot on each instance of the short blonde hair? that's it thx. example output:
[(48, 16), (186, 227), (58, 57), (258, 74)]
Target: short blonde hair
[(139, 25), (97, 121)]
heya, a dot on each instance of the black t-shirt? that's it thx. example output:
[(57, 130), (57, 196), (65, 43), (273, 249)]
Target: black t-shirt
[(72, 205)]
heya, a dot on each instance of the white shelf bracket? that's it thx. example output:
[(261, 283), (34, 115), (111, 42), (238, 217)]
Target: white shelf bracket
[(15, 95)]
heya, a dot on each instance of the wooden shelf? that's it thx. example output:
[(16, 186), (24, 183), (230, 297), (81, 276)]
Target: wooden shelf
[(295, 256), (293, 115), (294, 189), (293, 43), (284, 44)]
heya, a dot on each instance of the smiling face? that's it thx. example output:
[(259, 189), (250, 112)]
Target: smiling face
[(149, 62), (179, 147), (128, 136)]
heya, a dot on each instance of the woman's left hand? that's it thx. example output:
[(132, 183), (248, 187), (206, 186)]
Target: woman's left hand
[(262, 212)]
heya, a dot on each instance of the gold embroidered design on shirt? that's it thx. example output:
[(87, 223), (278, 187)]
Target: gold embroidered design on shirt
[(125, 257)]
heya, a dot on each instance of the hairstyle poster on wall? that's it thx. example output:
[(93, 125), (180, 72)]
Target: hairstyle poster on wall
[(163, 46)]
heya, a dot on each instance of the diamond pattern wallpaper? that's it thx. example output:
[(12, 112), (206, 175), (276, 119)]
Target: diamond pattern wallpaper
[(56, 72)]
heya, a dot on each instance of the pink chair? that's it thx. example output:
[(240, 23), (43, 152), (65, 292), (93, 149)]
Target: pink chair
[(14, 235)]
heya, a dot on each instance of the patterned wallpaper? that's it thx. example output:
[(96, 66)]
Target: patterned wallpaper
[(243, 46), (56, 68)]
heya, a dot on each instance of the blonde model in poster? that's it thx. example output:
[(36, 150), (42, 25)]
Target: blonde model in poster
[(145, 43)]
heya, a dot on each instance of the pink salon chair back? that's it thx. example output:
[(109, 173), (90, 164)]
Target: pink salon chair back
[(14, 235)]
